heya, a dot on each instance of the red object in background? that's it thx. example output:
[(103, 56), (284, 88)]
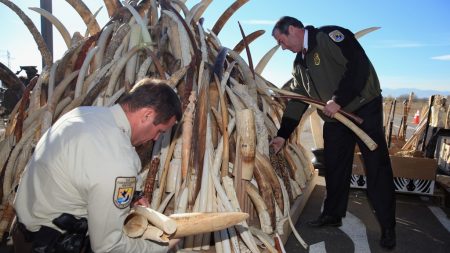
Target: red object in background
[(416, 118)]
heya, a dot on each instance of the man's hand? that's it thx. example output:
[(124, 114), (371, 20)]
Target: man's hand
[(331, 108), (277, 143), (142, 201)]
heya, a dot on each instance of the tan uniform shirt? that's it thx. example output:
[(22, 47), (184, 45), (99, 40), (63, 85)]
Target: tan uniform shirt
[(85, 165)]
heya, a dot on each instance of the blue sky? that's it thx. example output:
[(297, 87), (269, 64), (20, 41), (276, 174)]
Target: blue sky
[(411, 50)]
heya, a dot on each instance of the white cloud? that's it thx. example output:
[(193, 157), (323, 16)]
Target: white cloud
[(442, 57)]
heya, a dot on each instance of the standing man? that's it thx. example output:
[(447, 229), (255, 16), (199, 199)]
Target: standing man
[(83, 174), (331, 66)]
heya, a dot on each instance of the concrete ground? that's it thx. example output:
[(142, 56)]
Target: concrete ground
[(422, 226)]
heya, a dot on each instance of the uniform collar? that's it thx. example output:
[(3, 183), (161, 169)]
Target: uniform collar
[(121, 119), (311, 37), (305, 43)]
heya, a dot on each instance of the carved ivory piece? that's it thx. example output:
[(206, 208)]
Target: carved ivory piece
[(246, 131)]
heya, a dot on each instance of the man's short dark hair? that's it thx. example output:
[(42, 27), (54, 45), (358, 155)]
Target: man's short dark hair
[(158, 96), (283, 24)]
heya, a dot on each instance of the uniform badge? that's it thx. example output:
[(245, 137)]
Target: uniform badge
[(316, 59), (337, 36), (123, 191)]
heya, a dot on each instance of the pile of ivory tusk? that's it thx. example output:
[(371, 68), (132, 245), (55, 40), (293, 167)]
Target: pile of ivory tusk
[(216, 160)]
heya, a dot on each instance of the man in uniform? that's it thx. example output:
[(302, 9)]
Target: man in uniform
[(331, 66), (85, 167)]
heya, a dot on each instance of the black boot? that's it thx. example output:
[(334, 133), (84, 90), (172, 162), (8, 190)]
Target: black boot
[(326, 221), (388, 240)]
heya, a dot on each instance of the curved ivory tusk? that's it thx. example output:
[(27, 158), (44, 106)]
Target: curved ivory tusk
[(265, 239), (83, 71), (9, 173), (204, 56), (183, 39), (6, 145), (265, 59), (118, 69), (300, 153), (296, 166), (153, 12), (172, 174), (197, 11), (168, 225), (86, 15), (226, 15), (243, 229), (261, 208), (296, 234), (264, 164), (248, 39), (112, 6), (246, 73), (59, 26), (165, 201), (92, 21), (130, 68), (286, 203), (101, 44), (61, 105), (58, 91), (187, 134), (120, 36), (181, 204), (22, 160), (363, 32), (144, 30), (142, 72), (51, 79), (199, 223)]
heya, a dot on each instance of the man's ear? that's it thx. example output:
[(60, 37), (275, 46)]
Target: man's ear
[(290, 29), (146, 113)]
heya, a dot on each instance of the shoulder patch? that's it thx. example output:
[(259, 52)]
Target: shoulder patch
[(336, 36), (123, 191)]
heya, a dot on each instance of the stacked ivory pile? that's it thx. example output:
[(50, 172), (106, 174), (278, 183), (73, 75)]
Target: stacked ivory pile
[(216, 159)]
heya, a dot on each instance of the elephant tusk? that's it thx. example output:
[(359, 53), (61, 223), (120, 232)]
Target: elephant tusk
[(59, 26), (226, 15), (166, 224), (265, 59), (363, 32), (86, 15), (247, 40)]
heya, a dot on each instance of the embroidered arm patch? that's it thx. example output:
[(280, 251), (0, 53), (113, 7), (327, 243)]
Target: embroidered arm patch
[(123, 191), (336, 36)]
